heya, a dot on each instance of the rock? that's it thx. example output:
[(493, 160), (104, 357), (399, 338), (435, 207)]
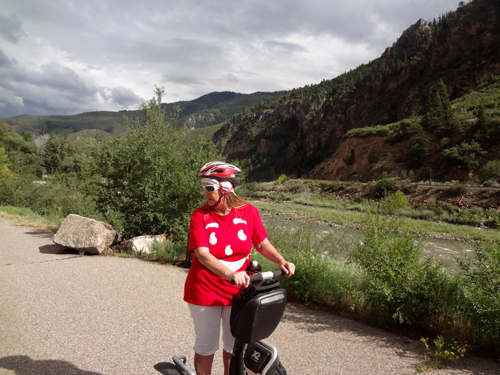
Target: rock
[(84, 234), (143, 244)]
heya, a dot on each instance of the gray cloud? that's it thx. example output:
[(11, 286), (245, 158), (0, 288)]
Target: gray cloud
[(66, 56), (11, 28), (120, 96), (231, 78), (5, 61)]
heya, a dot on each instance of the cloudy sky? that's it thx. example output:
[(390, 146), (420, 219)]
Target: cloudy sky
[(63, 57)]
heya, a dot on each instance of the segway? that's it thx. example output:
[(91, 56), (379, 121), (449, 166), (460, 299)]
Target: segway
[(255, 314)]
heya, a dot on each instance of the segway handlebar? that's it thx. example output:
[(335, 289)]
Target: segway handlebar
[(264, 276)]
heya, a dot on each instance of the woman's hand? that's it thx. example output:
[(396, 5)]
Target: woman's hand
[(240, 279), (288, 268)]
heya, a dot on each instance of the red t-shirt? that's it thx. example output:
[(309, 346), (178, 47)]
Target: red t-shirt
[(230, 239)]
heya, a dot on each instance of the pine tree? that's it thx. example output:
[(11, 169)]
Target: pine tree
[(438, 115)]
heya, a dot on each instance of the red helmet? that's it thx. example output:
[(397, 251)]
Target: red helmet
[(221, 171)]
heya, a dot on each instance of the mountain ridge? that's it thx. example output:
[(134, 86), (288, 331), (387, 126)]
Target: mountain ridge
[(207, 110), (300, 132)]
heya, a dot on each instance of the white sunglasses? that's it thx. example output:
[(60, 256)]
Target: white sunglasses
[(208, 188)]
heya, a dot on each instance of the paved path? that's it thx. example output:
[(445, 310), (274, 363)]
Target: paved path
[(65, 314)]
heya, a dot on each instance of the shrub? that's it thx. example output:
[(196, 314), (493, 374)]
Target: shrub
[(252, 186), (439, 207), (481, 286), (282, 179), (384, 186), (490, 171), (334, 186), (457, 190), (464, 217), (464, 154), (349, 159), (398, 200), (372, 157), (398, 283), (319, 277), (168, 251), (295, 186)]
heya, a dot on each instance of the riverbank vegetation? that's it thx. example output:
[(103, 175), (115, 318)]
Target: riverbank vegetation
[(384, 279)]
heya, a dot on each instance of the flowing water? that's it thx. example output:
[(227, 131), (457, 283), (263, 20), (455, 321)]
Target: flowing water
[(445, 251)]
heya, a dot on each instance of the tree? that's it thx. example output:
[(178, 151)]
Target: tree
[(480, 129), (4, 165), (438, 115), (418, 145), (7, 179), (465, 154), (150, 183)]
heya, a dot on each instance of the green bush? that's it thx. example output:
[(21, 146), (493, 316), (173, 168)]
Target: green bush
[(465, 217), (481, 286), (438, 207), (349, 159), (334, 186), (252, 186), (398, 200), (394, 202), (295, 186), (457, 190), (321, 277), (490, 171), (282, 179), (372, 157), (385, 186), (398, 283), (168, 251), (464, 154)]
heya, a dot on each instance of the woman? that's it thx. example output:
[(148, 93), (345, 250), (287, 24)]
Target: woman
[(221, 235)]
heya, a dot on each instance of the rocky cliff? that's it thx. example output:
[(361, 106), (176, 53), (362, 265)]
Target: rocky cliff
[(302, 136)]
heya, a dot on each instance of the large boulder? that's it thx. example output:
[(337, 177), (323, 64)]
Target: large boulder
[(84, 234), (143, 244)]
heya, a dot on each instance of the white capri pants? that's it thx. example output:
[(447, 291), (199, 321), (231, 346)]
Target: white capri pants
[(207, 321)]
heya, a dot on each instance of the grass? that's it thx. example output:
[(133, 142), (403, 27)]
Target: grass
[(26, 217)]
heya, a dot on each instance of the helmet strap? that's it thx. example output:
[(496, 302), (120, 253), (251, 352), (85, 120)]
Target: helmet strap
[(223, 193)]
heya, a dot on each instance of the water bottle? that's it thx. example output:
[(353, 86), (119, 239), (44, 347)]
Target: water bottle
[(254, 267)]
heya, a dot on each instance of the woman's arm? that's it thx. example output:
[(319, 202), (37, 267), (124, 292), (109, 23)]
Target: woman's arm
[(269, 252), (212, 263)]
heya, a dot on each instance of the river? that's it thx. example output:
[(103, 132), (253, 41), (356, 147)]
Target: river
[(445, 251)]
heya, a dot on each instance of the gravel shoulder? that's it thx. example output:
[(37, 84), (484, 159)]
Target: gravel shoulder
[(62, 313)]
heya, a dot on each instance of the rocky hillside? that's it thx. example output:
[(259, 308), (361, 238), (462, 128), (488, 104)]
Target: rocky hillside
[(302, 133)]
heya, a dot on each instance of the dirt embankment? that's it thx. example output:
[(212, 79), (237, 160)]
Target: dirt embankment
[(459, 195)]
